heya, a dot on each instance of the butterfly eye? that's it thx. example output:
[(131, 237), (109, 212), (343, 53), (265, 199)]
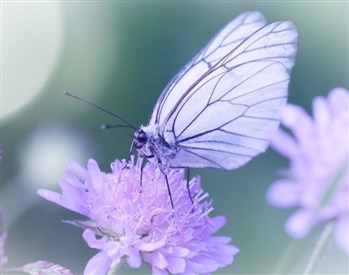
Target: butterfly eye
[(140, 139)]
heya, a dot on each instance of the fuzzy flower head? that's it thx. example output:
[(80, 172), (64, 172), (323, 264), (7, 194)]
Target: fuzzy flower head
[(318, 179), (137, 223)]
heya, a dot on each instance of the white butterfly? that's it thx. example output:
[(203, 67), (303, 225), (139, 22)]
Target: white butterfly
[(218, 110)]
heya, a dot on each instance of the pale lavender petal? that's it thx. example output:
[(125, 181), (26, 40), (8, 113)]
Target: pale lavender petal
[(63, 201), (69, 176), (94, 170), (3, 257), (176, 265), (78, 193), (180, 252), (283, 193), (300, 223), (203, 264), (79, 170), (284, 143), (225, 255), (3, 237), (341, 233), (134, 259), (90, 238), (148, 247), (221, 240), (44, 268), (339, 100), (296, 119), (218, 223), (98, 264), (321, 113), (194, 267), (158, 271), (159, 260)]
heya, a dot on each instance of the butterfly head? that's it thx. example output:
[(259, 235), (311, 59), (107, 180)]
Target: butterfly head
[(140, 138)]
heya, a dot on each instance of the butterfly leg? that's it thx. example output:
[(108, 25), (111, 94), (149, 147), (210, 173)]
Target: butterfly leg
[(130, 153), (141, 176), (168, 186), (128, 160), (142, 167), (188, 175)]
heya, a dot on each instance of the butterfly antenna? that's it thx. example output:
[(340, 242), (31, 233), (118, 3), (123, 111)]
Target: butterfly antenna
[(100, 108), (109, 126)]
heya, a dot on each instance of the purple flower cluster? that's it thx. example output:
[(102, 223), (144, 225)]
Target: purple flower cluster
[(3, 236), (137, 223), (318, 181)]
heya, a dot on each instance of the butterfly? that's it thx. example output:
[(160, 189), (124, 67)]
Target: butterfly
[(220, 108)]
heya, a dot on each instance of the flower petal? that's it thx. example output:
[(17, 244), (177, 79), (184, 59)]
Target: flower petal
[(180, 251), (203, 264), (134, 259), (176, 265), (98, 264), (218, 222), (341, 233), (339, 101), (159, 260), (90, 238), (63, 201), (148, 247), (158, 271), (299, 224), (321, 113), (283, 193), (284, 143), (79, 170)]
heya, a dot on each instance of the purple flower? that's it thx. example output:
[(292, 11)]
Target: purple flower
[(318, 180), (43, 268), (3, 236), (138, 223)]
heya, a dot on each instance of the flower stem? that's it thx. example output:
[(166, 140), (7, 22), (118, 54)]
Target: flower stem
[(287, 257), (319, 249)]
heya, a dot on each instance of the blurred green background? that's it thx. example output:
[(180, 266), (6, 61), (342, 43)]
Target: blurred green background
[(120, 55)]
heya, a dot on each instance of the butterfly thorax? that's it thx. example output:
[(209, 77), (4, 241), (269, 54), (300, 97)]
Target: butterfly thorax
[(149, 141)]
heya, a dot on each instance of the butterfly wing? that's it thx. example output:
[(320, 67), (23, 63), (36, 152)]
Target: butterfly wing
[(221, 44), (223, 117)]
